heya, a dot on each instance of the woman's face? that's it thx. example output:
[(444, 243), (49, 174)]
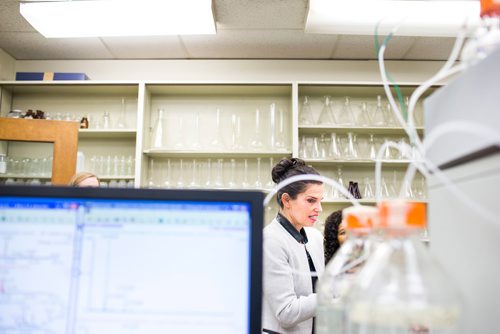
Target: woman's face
[(89, 182), (341, 236), (305, 209)]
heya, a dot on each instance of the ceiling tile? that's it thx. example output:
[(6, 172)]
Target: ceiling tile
[(153, 47), (260, 14), (427, 48), (10, 18), (33, 46), (363, 47), (274, 44)]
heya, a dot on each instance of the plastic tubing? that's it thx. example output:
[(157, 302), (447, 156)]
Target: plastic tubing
[(310, 177)]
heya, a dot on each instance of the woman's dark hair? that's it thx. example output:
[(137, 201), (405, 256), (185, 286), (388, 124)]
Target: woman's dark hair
[(289, 167), (331, 240)]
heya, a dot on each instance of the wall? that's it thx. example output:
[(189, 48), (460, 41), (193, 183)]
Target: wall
[(236, 70), (7, 66)]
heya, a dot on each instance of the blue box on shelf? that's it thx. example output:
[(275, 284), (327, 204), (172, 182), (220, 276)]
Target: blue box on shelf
[(28, 76)]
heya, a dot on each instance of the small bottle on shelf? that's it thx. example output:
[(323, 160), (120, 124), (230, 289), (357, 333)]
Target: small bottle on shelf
[(84, 123)]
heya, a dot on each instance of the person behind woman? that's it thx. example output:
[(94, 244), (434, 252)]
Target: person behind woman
[(84, 179), (293, 253), (335, 234)]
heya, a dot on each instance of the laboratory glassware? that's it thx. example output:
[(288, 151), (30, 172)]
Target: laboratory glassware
[(326, 117), (305, 114)]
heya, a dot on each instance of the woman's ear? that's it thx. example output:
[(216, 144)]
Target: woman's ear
[(285, 199)]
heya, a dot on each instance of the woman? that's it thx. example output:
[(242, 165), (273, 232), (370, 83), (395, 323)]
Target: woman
[(293, 253), (335, 234), (84, 179)]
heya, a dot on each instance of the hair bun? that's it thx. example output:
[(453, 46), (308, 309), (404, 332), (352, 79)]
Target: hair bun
[(282, 168)]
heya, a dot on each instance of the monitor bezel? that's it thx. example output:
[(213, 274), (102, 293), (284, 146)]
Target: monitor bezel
[(252, 197)]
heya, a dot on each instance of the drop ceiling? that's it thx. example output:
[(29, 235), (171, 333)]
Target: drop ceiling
[(246, 29)]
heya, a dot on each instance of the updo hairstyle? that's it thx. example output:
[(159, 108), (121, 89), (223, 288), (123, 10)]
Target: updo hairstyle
[(289, 167)]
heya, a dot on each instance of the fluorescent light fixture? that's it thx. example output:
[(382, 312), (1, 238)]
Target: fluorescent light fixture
[(415, 18), (95, 18)]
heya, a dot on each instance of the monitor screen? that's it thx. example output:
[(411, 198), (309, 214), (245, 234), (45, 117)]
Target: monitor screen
[(129, 261)]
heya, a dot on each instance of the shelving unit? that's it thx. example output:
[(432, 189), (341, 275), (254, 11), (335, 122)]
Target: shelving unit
[(206, 123)]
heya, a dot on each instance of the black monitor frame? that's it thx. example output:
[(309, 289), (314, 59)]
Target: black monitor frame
[(254, 198)]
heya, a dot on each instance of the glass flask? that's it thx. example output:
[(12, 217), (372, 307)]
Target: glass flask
[(232, 174), (270, 183), (158, 130), (218, 141), (196, 144), (151, 173), (323, 147), (345, 116), (303, 149), (280, 133), (106, 120), (326, 116), (235, 132), (401, 288), (335, 151), (219, 174), (194, 175), (342, 269), (180, 174), (378, 117), (245, 183), (122, 120), (389, 116), (305, 114), (208, 182), (367, 188), (351, 147), (256, 142), (273, 127), (258, 179), (336, 194), (167, 170), (363, 115), (315, 148), (372, 151)]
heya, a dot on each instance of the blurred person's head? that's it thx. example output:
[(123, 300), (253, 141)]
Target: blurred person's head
[(84, 179), (335, 234)]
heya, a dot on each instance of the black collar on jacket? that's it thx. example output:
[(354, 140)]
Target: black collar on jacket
[(301, 236)]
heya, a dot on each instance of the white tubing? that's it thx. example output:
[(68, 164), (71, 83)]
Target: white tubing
[(310, 177)]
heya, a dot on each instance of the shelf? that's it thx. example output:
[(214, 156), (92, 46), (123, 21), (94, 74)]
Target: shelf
[(112, 177), (318, 129), (159, 153), (363, 163), (369, 201), (107, 133), (24, 177)]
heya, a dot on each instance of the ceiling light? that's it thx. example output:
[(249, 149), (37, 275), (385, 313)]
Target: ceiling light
[(92, 18), (414, 18)]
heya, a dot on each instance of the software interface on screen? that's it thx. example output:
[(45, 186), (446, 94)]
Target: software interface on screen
[(128, 266)]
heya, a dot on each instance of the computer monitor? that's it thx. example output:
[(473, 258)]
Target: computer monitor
[(130, 261)]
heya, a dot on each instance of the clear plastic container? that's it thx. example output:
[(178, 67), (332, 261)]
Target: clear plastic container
[(401, 288), (343, 268)]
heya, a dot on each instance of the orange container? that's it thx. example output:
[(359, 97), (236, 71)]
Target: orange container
[(490, 8)]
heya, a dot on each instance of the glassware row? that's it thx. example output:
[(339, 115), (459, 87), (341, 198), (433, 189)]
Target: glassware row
[(351, 147), (220, 130), (391, 185), (106, 166), (249, 173), (346, 112), (28, 167)]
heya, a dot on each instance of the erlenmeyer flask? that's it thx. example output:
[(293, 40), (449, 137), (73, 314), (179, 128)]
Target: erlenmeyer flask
[(363, 117), (303, 149), (336, 194), (167, 170), (257, 143), (305, 114), (387, 155), (351, 149), (367, 188), (345, 116), (377, 116), (323, 147), (326, 117), (372, 151), (389, 116), (270, 183), (315, 148), (335, 151), (158, 131)]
